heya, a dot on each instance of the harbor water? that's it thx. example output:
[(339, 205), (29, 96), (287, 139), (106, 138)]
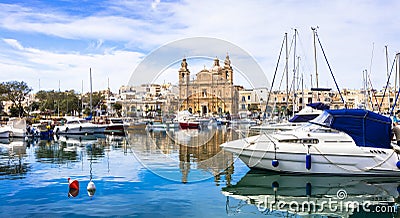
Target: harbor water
[(172, 173)]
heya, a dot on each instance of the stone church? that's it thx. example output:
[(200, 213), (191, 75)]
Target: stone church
[(211, 92)]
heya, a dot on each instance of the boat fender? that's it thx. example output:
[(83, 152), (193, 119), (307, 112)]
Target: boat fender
[(91, 188), (80, 128), (308, 189), (308, 161), (275, 163), (398, 164), (275, 185)]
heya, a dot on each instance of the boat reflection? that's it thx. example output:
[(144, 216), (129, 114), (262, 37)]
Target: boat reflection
[(12, 153), (272, 194)]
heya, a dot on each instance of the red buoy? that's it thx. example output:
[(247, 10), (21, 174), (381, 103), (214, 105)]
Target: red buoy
[(73, 184)]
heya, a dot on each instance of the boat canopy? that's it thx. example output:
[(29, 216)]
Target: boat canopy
[(366, 128)]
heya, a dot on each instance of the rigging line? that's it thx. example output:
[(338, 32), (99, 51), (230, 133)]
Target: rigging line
[(369, 77), (306, 62), (372, 57), (373, 93), (276, 70), (395, 102), (387, 83), (326, 59)]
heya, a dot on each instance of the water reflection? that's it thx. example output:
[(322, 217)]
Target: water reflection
[(179, 155), (12, 153), (285, 195), (193, 154)]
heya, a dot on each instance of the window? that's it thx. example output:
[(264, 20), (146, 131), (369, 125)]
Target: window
[(243, 106), (248, 97), (243, 99), (204, 93)]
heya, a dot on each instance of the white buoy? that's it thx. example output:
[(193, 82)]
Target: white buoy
[(91, 188)]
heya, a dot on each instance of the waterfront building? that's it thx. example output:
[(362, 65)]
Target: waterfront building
[(211, 92), (148, 100)]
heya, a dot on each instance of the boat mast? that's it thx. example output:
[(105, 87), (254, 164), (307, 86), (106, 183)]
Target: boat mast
[(387, 73), (397, 70), (315, 55), (91, 106), (314, 29), (302, 91), (294, 74), (365, 79), (287, 77), (81, 101), (58, 99)]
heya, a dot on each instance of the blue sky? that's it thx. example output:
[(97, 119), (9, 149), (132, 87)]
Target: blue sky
[(60, 40)]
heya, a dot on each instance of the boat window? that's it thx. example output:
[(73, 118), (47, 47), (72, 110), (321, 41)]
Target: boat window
[(73, 122), (116, 121), (302, 141)]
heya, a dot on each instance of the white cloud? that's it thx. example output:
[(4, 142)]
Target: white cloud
[(14, 43), (154, 4), (69, 68), (347, 31)]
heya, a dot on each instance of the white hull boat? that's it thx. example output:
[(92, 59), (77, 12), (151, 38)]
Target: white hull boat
[(74, 125), (345, 142), (17, 128), (4, 132)]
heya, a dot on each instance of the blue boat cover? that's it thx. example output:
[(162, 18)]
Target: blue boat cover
[(368, 129)]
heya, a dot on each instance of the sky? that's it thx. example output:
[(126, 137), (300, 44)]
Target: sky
[(52, 44)]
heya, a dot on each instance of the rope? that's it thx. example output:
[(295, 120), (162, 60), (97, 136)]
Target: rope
[(273, 80), (395, 102), (382, 162), (361, 170), (326, 59), (387, 84)]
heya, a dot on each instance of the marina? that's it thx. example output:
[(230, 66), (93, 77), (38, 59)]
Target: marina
[(199, 109), (149, 174)]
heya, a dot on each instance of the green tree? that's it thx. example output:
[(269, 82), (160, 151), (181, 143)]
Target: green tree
[(16, 92), (66, 102), (117, 107), (97, 101)]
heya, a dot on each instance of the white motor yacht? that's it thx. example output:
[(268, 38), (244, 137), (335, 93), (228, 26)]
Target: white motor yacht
[(75, 125), (5, 132), (17, 127), (346, 141)]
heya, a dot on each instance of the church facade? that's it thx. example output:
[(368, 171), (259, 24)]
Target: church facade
[(211, 92)]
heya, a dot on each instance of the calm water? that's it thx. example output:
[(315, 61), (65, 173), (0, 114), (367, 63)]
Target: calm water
[(161, 174)]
